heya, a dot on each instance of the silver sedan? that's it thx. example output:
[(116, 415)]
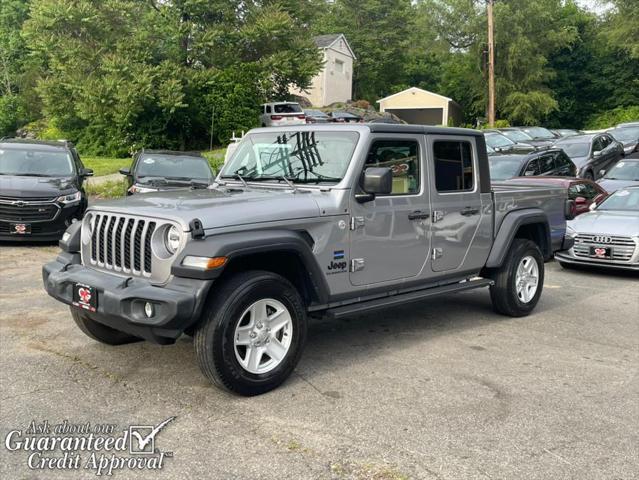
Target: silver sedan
[(607, 236)]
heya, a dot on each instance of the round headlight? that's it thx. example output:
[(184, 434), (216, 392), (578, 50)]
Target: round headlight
[(172, 240)]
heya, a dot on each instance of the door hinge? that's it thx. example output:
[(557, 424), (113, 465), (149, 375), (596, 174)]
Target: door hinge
[(437, 253), (357, 264), (357, 222), (437, 215)]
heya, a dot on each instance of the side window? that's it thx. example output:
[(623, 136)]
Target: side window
[(401, 156), (268, 109), (590, 192), (576, 190), (606, 140), (453, 166), (562, 160), (532, 168), (597, 145), (546, 164)]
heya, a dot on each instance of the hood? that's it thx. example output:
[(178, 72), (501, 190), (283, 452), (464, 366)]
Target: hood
[(218, 207), (612, 222), (17, 186), (614, 185)]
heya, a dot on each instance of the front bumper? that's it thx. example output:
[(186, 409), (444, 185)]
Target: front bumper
[(177, 305), (567, 257)]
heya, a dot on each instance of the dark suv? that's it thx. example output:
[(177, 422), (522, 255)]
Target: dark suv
[(539, 163), (41, 189)]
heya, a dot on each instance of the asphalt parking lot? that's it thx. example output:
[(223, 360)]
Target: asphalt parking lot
[(445, 389)]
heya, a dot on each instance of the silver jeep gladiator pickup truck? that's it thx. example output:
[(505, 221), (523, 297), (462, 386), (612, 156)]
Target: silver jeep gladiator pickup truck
[(304, 221)]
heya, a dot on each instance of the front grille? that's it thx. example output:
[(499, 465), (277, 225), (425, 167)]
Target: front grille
[(5, 198), (27, 211), (122, 243), (623, 248)]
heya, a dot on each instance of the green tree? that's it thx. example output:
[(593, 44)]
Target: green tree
[(122, 74)]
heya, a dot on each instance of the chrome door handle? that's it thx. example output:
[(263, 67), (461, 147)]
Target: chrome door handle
[(469, 211), (418, 215)]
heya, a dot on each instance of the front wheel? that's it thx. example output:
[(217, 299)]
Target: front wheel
[(252, 333), (519, 281)]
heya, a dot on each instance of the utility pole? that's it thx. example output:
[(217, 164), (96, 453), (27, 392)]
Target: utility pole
[(491, 63)]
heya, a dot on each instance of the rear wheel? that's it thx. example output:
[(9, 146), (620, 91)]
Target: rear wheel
[(252, 333), (519, 281), (100, 332)]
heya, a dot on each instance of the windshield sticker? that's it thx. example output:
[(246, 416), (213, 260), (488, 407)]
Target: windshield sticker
[(149, 161)]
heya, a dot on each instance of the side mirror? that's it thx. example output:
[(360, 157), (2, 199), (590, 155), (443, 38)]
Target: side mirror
[(86, 172), (375, 181), (602, 173), (125, 171), (592, 206), (597, 154), (580, 200)]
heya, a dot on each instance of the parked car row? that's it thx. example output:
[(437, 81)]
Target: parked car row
[(600, 175)]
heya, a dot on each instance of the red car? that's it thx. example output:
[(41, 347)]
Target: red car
[(583, 192)]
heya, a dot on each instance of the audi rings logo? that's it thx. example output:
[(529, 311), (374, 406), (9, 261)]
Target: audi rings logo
[(602, 239)]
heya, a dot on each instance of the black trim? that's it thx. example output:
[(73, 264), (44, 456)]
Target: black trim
[(404, 298), (238, 245), (508, 229)]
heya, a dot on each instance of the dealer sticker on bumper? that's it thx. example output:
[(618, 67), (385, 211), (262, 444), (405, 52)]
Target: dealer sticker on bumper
[(85, 297)]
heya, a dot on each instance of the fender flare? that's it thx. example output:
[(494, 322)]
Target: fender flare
[(508, 229), (241, 244)]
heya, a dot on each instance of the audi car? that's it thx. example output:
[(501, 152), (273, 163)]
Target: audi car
[(607, 236), (41, 189)]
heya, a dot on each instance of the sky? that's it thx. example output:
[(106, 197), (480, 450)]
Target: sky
[(597, 6)]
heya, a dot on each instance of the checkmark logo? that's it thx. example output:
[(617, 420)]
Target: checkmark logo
[(142, 437)]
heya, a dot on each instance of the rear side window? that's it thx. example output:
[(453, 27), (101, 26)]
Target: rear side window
[(532, 168), (582, 190), (453, 166), (546, 164), (268, 109), (401, 156), (562, 160)]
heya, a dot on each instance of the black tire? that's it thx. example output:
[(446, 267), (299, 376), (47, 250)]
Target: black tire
[(214, 336), (100, 332), (504, 292)]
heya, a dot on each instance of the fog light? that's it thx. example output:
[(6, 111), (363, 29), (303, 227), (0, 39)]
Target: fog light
[(148, 309)]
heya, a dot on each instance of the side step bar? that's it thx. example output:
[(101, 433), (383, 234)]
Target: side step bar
[(404, 298)]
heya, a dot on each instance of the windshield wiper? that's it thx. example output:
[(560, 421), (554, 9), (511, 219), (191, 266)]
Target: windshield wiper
[(318, 177)]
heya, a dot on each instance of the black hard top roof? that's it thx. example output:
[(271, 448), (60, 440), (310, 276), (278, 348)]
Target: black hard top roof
[(40, 144), (585, 138), (424, 129), (523, 155), (177, 153)]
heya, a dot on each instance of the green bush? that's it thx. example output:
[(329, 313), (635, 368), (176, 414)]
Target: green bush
[(11, 112), (612, 117)]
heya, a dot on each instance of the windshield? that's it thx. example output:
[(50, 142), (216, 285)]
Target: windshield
[(516, 135), (622, 200), (287, 108), (307, 156), (178, 167), (624, 170), (504, 168), (625, 134), (496, 140), (575, 149), (539, 133), (35, 163)]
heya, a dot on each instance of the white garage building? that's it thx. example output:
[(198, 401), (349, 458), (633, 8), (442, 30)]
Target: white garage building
[(421, 107)]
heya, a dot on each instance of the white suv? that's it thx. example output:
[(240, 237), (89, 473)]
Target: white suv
[(277, 114)]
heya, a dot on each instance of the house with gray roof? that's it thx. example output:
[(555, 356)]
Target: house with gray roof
[(334, 83)]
